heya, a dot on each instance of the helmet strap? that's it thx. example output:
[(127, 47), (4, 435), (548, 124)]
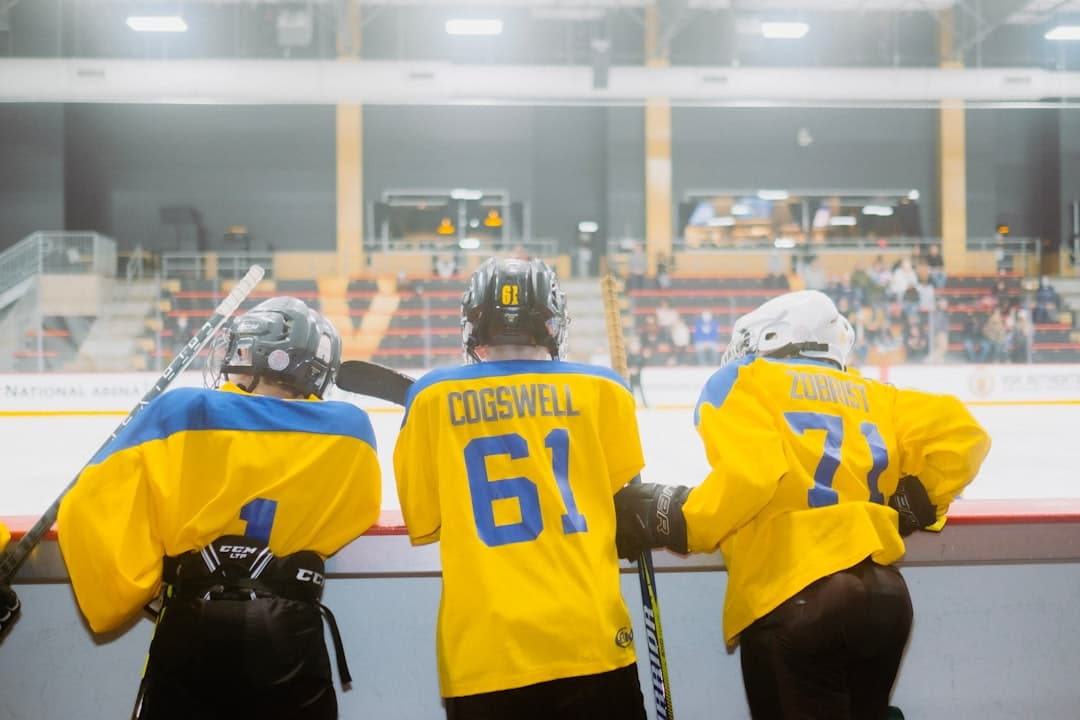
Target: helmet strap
[(254, 384), (797, 349)]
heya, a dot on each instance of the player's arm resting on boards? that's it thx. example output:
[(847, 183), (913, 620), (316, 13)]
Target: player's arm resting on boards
[(942, 448), (746, 453)]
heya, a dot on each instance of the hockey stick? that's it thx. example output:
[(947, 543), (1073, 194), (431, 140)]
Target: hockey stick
[(11, 560), (374, 380), (650, 603)]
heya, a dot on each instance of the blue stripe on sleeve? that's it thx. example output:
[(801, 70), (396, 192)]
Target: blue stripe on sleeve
[(186, 409), (507, 368), (719, 385)]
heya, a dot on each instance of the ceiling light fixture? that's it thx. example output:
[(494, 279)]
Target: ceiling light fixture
[(784, 30), (157, 23), (1064, 32), (474, 26)]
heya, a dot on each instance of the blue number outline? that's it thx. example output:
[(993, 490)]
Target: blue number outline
[(558, 442), (259, 514), (484, 491), (823, 494)]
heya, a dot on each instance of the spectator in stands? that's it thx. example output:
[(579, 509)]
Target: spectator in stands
[(664, 266), (666, 317), (925, 288), (915, 345), (902, 278), (813, 277), (650, 335), (861, 347), (976, 348), (445, 267), (1047, 304), (1021, 336), (707, 339), (880, 276), (680, 340), (996, 336), (936, 264), (877, 328), (637, 357), (775, 277), (938, 330), (637, 265), (861, 286), (1002, 297)]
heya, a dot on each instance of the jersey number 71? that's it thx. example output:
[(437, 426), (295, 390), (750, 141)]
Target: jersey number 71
[(822, 493)]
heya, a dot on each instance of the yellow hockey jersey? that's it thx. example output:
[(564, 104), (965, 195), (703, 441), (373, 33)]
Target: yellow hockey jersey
[(804, 457), (5, 536), (197, 464), (513, 466)]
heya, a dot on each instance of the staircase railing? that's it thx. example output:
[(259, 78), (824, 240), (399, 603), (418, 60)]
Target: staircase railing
[(57, 253)]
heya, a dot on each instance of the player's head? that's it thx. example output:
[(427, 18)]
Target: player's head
[(280, 341), (513, 302), (804, 324)]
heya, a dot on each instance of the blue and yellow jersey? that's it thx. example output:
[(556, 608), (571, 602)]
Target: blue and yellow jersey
[(197, 464), (513, 466), (804, 457)]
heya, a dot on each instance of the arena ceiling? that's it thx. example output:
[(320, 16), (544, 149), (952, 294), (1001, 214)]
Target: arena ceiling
[(546, 51)]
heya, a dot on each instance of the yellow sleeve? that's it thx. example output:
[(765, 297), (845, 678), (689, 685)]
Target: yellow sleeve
[(107, 536), (940, 443), (5, 536), (620, 437), (746, 452), (415, 465)]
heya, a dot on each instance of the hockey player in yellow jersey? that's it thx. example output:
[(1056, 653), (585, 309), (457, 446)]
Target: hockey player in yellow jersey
[(511, 463), (817, 474), (9, 601), (225, 502)]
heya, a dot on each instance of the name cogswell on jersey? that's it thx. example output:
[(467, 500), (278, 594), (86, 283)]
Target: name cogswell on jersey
[(505, 402), (825, 388)]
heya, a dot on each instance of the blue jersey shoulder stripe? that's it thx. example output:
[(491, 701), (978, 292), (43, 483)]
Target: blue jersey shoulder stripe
[(719, 385), (507, 368), (187, 409)]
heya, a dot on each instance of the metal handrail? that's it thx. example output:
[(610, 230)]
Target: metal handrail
[(56, 252)]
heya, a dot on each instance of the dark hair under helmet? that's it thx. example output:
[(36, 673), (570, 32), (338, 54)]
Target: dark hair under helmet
[(282, 340), (513, 302)]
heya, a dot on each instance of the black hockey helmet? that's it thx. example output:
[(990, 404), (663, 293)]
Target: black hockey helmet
[(514, 302), (282, 340)]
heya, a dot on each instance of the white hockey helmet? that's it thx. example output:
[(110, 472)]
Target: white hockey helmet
[(803, 324)]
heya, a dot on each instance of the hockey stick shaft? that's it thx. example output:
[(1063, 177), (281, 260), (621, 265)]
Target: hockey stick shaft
[(11, 560), (654, 633), (374, 380)]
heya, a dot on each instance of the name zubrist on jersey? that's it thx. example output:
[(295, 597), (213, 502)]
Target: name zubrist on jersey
[(825, 388), (505, 402)]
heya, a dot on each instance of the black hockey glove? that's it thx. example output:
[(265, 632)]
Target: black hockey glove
[(913, 504), (649, 515), (9, 608)]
